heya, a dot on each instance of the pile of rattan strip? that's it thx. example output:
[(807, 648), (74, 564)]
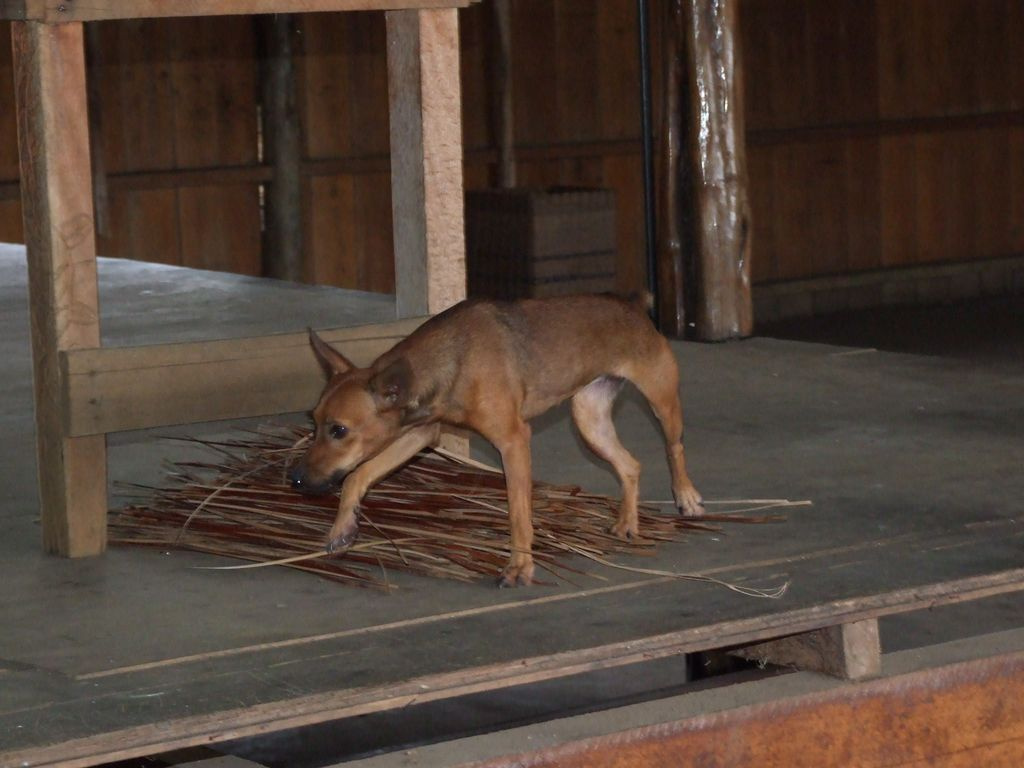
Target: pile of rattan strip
[(437, 516)]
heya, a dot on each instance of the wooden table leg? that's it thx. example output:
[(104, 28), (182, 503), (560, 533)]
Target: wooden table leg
[(426, 167), (426, 160), (53, 140)]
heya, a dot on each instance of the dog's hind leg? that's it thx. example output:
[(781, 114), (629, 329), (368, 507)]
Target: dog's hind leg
[(658, 381), (592, 412)]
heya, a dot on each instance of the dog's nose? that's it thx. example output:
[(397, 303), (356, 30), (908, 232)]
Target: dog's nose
[(297, 476)]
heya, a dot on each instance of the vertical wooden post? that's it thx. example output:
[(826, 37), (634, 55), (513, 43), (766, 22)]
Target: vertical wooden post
[(53, 141), (100, 188), (425, 97), (672, 243), (723, 298), (282, 149), (504, 120), (426, 160)]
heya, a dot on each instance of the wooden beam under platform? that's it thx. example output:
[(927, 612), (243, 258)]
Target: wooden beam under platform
[(848, 651), (963, 713)]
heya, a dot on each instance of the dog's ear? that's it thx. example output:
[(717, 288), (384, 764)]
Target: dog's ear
[(330, 359), (392, 384)]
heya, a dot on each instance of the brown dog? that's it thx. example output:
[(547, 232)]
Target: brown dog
[(492, 366)]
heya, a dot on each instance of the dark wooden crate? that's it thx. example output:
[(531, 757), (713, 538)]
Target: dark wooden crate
[(540, 242)]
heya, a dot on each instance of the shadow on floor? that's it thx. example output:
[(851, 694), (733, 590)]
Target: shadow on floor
[(987, 332)]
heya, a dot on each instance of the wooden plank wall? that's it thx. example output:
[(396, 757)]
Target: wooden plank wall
[(179, 94), (343, 86), (576, 122), (882, 132), (178, 97), (576, 102)]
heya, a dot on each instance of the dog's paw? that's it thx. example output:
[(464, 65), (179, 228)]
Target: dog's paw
[(343, 542), (689, 502), (517, 574), (342, 535), (627, 530)]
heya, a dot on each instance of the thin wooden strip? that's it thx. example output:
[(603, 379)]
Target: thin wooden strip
[(63, 11)]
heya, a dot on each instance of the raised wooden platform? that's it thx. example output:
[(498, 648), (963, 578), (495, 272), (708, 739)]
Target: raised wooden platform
[(116, 712), (912, 464)]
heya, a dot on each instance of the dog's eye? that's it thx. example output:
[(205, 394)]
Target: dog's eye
[(337, 431)]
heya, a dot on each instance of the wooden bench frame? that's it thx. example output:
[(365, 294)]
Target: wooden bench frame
[(83, 391)]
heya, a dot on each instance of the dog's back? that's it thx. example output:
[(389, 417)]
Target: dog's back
[(537, 350)]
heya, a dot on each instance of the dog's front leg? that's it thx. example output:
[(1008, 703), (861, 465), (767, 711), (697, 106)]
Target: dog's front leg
[(363, 477), (515, 458)]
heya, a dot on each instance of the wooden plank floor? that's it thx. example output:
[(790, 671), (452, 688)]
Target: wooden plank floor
[(913, 466)]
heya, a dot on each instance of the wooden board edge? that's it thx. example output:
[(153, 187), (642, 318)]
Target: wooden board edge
[(64, 11), (93, 361)]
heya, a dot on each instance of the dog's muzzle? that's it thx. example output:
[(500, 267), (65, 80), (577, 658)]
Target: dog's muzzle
[(300, 480)]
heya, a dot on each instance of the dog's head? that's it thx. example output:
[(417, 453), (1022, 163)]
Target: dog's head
[(360, 411)]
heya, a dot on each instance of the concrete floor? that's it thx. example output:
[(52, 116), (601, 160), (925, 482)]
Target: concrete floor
[(129, 605)]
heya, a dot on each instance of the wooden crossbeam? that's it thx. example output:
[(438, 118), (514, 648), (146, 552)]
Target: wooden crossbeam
[(63, 11), (125, 388)]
